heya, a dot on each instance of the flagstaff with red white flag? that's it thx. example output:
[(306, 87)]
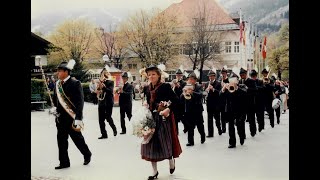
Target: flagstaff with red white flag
[(264, 51)]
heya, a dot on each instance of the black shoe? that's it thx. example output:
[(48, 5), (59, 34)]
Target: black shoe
[(253, 134), (278, 121), (87, 160), (209, 136), (172, 170), (115, 133), (272, 125), (62, 166), (260, 129), (203, 140), (223, 130), (241, 141), (153, 177), (219, 132), (103, 137), (123, 133), (231, 146), (190, 144)]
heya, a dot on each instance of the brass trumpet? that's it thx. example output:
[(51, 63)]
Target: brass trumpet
[(231, 88)]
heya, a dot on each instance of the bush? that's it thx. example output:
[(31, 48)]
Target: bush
[(38, 87)]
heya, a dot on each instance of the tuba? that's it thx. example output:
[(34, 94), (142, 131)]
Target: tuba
[(103, 77)]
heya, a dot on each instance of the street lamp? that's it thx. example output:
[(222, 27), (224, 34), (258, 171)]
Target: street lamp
[(38, 58)]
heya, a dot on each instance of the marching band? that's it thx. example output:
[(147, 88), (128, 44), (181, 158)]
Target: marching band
[(231, 100)]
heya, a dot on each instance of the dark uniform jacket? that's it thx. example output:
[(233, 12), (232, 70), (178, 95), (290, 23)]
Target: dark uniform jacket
[(213, 98), (268, 92), (249, 97), (125, 98), (233, 102), (108, 89), (178, 90), (195, 103), (258, 97), (73, 90)]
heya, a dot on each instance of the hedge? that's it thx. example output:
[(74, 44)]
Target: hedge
[(38, 87)]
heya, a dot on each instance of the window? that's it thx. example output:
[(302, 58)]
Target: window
[(133, 78), (236, 47), (228, 47), (132, 66), (187, 50)]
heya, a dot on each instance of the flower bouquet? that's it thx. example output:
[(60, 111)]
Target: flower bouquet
[(145, 127)]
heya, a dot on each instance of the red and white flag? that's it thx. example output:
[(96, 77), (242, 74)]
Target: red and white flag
[(264, 48)]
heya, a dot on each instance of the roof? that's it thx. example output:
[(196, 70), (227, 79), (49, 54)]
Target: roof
[(187, 10), (39, 45)]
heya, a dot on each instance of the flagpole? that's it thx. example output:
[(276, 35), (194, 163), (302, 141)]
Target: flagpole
[(241, 40)]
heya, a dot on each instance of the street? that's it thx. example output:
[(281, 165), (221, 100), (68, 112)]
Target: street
[(263, 157)]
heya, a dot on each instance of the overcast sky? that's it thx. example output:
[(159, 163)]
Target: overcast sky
[(39, 7)]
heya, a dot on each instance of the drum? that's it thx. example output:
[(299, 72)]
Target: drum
[(276, 103)]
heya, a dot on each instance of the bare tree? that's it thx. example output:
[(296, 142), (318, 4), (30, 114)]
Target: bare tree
[(110, 43), (204, 39), (73, 39), (150, 36)]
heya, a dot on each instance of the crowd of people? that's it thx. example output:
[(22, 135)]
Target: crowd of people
[(231, 101)]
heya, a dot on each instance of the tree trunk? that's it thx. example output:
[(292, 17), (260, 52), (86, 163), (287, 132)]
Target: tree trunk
[(279, 74), (201, 67)]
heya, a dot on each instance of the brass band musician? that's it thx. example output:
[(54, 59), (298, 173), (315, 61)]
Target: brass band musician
[(250, 86), (233, 110), (268, 95), (193, 109), (213, 88), (178, 85), (105, 103)]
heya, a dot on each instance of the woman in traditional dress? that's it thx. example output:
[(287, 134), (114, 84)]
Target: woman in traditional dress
[(164, 143)]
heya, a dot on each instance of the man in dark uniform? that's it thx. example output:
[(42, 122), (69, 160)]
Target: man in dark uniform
[(251, 88), (278, 90), (258, 100), (69, 90), (268, 95), (177, 88), (105, 104), (213, 88), (233, 98), (224, 80), (125, 101), (193, 109)]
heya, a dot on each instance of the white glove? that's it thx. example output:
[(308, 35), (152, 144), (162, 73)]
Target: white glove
[(52, 110), (77, 122)]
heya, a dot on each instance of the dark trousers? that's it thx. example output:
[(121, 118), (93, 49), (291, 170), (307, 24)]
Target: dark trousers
[(94, 98), (123, 111), (223, 121), (240, 123), (260, 117), (252, 122), (278, 114), (270, 112), (105, 112), (196, 121), (64, 130), (216, 116)]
